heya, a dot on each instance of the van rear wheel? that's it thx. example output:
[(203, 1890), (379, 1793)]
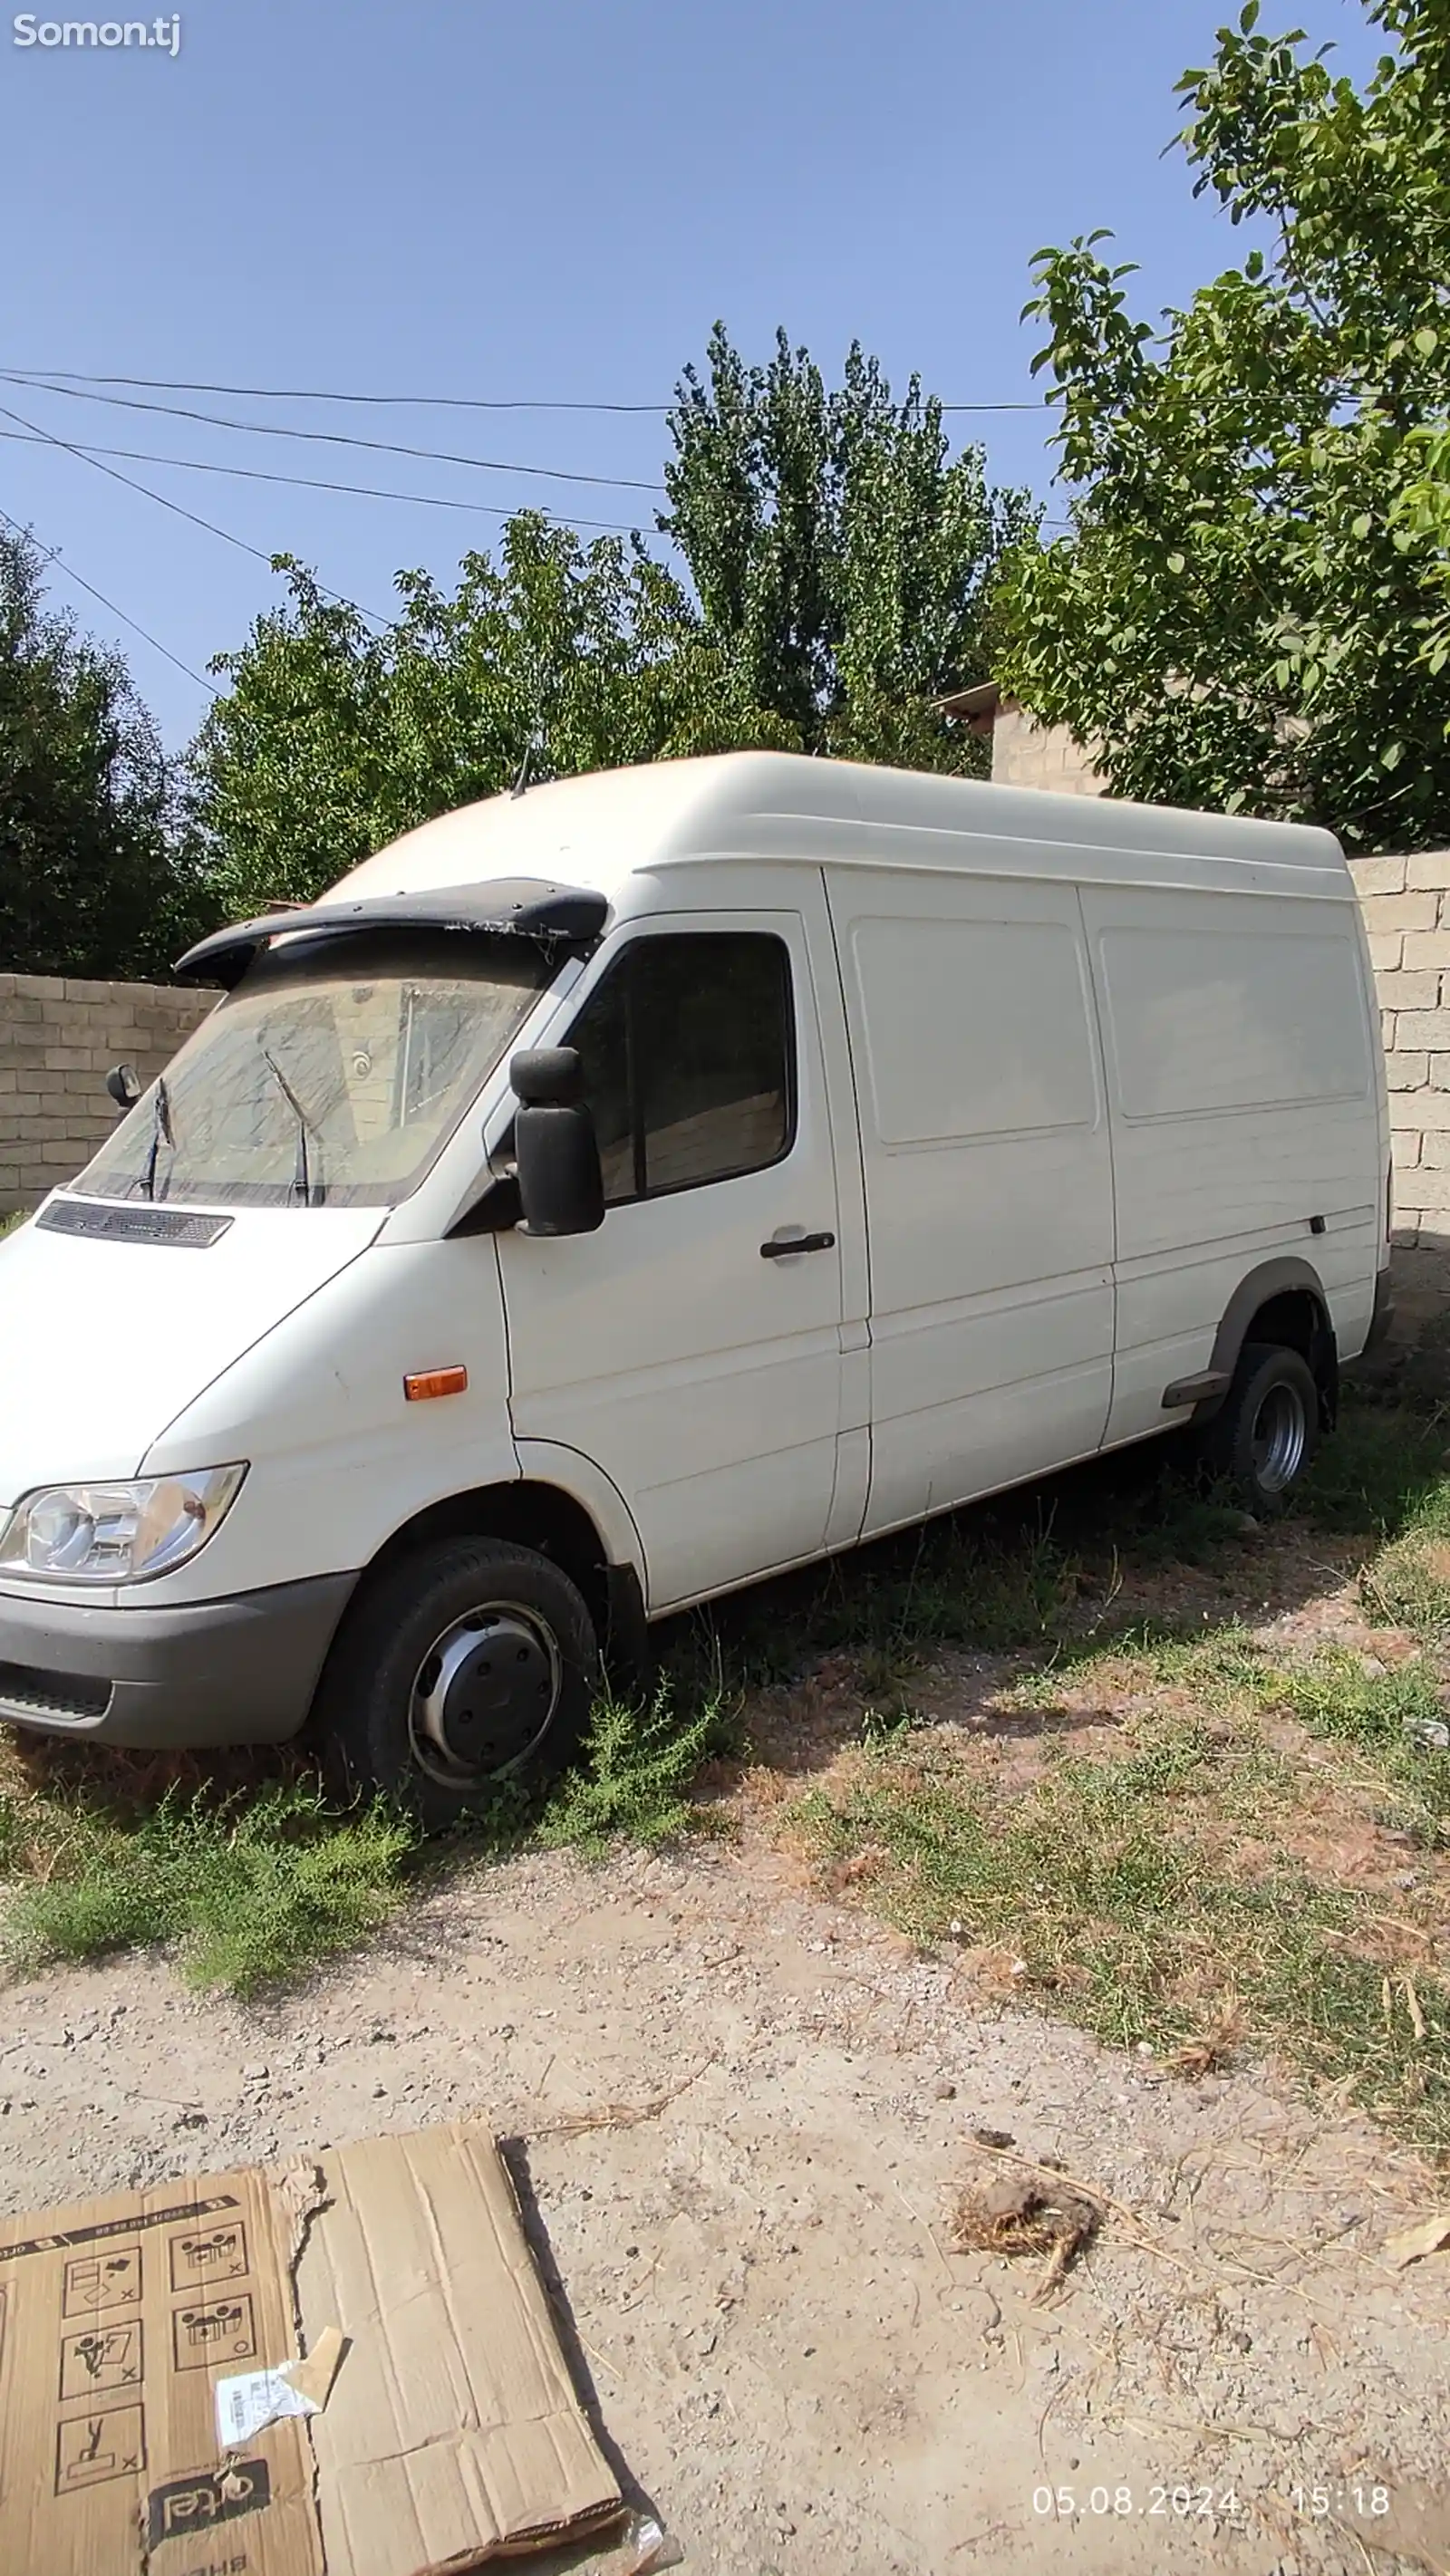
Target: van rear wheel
[(1265, 1434), (468, 1666)]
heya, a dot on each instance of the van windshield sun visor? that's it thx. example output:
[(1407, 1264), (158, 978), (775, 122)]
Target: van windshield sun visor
[(566, 919)]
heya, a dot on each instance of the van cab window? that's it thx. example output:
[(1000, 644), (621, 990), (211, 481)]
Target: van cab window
[(688, 1056), (332, 1081)]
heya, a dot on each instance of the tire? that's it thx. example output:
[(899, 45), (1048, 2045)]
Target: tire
[(1266, 1432), (467, 1666)]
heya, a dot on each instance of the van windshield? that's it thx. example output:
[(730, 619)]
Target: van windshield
[(332, 1082)]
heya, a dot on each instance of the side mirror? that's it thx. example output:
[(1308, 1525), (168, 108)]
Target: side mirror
[(124, 1085), (561, 1186)]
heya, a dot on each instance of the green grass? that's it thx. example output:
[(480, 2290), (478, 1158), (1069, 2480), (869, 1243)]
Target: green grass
[(1383, 1470), (10, 1222), (258, 1884), (1149, 1890), (1104, 1880), (249, 1892), (887, 1607)]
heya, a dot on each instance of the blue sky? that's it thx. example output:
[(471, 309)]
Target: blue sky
[(451, 197)]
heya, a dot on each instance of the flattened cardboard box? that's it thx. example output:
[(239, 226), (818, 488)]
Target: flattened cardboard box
[(450, 2435)]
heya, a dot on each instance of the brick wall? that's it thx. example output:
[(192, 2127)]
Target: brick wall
[(1407, 915), (58, 1040)]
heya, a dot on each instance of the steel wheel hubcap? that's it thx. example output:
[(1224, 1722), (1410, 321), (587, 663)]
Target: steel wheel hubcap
[(485, 1695), (1279, 1438)]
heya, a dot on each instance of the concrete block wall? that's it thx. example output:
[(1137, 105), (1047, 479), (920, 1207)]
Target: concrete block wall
[(59, 1038), (1028, 754), (1406, 905)]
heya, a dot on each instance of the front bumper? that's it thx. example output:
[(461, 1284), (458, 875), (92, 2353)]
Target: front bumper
[(239, 1671)]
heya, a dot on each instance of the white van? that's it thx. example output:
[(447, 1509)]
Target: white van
[(613, 1193)]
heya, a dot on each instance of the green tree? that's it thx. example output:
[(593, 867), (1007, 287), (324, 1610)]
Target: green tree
[(333, 738), (843, 560), (99, 871), (842, 569), (1250, 608)]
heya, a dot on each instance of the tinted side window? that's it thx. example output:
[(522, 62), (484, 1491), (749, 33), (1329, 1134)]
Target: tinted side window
[(688, 1063)]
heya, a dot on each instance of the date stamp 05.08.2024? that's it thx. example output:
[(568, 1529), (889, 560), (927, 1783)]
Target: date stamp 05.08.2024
[(1355, 2500)]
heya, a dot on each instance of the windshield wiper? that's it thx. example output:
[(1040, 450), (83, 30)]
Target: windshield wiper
[(160, 1127), (301, 1179)]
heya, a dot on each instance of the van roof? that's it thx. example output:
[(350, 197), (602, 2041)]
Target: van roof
[(601, 829)]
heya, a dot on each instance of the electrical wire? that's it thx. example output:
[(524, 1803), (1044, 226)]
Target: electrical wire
[(72, 382), (422, 402), (315, 483), (51, 439), (53, 555), (340, 438)]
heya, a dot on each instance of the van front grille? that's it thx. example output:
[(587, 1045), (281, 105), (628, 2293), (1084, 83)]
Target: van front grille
[(68, 1695)]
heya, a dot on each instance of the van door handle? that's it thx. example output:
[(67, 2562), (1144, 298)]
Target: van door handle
[(784, 1247)]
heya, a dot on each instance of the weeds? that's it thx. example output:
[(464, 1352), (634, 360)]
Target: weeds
[(636, 1779), (888, 1606), (248, 1892), (258, 1885), (1408, 1583), (1103, 1880), (1383, 1471)]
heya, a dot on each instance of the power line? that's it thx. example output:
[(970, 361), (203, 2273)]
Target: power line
[(313, 483), (53, 555), (69, 376), (299, 393), (52, 440), (340, 438)]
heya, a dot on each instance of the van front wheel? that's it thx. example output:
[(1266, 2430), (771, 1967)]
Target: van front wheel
[(469, 1665), (1267, 1430)]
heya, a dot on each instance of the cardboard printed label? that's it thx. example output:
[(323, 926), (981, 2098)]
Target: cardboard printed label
[(101, 2357), (205, 2255), (98, 2447), (102, 2228), (222, 2330), (95, 2283), (199, 2503)]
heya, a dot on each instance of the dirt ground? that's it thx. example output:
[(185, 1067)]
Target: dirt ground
[(742, 2116)]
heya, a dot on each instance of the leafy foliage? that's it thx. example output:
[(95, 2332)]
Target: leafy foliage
[(252, 1891), (333, 739), (1253, 607), (636, 1780), (99, 871), (844, 562), (842, 569)]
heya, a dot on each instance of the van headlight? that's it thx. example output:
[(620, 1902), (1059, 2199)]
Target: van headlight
[(117, 1533)]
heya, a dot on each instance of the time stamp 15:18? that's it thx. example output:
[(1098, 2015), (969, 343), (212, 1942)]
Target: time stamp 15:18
[(1361, 2501)]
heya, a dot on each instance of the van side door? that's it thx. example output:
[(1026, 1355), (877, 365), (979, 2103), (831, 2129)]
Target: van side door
[(988, 1176), (691, 1348)]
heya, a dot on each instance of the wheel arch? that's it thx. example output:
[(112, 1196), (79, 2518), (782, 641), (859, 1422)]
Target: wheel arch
[(565, 1510), (1281, 1301)]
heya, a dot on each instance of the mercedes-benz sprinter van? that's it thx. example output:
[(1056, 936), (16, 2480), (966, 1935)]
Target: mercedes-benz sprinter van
[(613, 1193)]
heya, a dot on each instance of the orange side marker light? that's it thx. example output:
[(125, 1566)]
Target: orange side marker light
[(426, 1383)]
